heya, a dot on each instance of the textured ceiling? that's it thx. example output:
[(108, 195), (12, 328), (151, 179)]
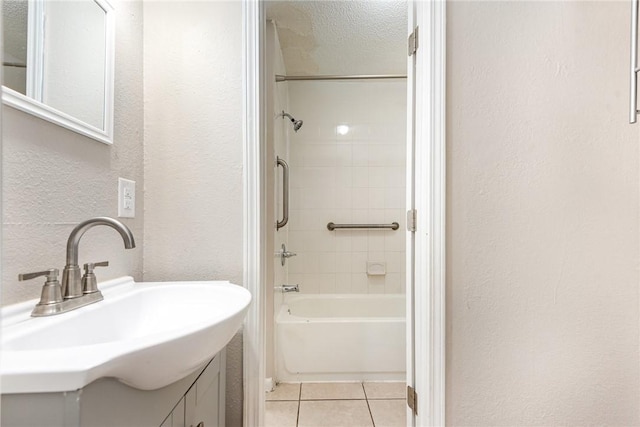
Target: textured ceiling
[(341, 37)]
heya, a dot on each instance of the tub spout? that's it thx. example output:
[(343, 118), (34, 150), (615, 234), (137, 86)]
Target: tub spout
[(288, 288)]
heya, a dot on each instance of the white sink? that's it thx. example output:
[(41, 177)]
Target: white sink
[(147, 335)]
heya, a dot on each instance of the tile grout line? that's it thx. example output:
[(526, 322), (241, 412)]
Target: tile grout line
[(299, 400), (324, 399), (364, 390)]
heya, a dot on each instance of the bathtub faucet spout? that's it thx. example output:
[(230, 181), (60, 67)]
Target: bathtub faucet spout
[(288, 288)]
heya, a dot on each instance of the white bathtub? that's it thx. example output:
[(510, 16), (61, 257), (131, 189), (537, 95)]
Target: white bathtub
[(341, 338)]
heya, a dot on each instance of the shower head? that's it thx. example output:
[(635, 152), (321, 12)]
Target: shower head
[(297, 124)]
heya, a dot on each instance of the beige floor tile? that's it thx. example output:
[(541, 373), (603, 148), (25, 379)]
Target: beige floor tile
[(334, 413), (385, 390), (280, 414), (331, 391), (284, 391), (388, 413)]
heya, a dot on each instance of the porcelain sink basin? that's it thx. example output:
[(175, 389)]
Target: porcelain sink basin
[(147, 335)]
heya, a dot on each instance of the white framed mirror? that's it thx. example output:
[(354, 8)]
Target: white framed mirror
[(59, 63)]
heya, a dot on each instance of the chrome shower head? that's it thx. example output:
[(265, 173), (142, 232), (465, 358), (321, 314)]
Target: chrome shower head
[(297, 124)]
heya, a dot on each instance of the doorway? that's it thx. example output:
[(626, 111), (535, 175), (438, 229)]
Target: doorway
[(260, 250), (336, 155)]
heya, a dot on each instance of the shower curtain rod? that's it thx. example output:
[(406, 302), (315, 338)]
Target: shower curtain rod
[(280, 78)]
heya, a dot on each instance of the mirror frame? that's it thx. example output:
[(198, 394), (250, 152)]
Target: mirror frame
[(21, 102)]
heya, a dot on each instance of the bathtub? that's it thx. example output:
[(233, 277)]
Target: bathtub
[(341, 338)]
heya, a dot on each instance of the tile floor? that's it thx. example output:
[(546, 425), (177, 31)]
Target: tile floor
[(370, 404)]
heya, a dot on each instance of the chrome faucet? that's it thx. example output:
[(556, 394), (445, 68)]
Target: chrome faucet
[(71, 278), (75, 291), (288, 288)]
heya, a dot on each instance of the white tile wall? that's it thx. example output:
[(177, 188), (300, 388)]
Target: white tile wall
[(358, 177)]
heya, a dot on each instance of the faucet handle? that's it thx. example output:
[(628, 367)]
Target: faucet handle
[(283, 253), (51, 295), (89, 281), (52, 275), (88, 267)]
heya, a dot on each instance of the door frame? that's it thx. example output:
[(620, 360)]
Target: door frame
[(430, 191), (429, 170)]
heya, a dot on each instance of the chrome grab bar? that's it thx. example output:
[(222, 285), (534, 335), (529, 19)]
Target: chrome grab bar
[(285, 193), (394, 226), (633, 98)]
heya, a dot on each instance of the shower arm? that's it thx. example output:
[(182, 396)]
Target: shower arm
[(289, 116)]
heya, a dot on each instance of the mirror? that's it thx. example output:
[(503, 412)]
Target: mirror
[(58, 62)]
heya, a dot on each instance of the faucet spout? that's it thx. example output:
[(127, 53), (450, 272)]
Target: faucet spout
[(78, 232), (71, 284)]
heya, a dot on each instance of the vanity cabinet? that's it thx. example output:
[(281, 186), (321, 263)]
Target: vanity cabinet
[(203, 404), (196, 400)]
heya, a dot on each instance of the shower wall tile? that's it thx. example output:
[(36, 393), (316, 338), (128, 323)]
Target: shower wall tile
[(360, 216), (360, 239), (344, 154), (343, 283), (395, 262), (396, 177), (311, 263), (359, 262), (344, 242), (376, 198), (358, 177), (327, 262), (394, 242), (377, 216), (344, 177), (376, 284), (377, 177), (377, 256), (360, 155), (393, 198), (377, 241), (359, 283), (296, 222), (343, 264), (327, 283), (360, 199), (393, 284), (342, 216), (296, 265)]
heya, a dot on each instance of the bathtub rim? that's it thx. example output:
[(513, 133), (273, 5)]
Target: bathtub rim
[(283, 316)]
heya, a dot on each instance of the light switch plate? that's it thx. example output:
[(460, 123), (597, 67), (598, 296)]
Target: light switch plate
[(126, 198)]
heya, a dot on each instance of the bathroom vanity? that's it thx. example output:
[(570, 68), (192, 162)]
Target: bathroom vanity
[(197, 400), (149, 354)]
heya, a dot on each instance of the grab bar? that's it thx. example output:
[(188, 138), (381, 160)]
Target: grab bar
[(633, 98), (285, 193), (394, 226)]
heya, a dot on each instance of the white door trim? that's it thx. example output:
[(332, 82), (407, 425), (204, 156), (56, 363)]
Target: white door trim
[(429, 201), (430, 193), (253, 213)]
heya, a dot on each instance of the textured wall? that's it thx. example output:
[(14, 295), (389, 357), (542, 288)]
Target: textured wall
[(193, 150), (354, 178), (54, 179), (542, 225)]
